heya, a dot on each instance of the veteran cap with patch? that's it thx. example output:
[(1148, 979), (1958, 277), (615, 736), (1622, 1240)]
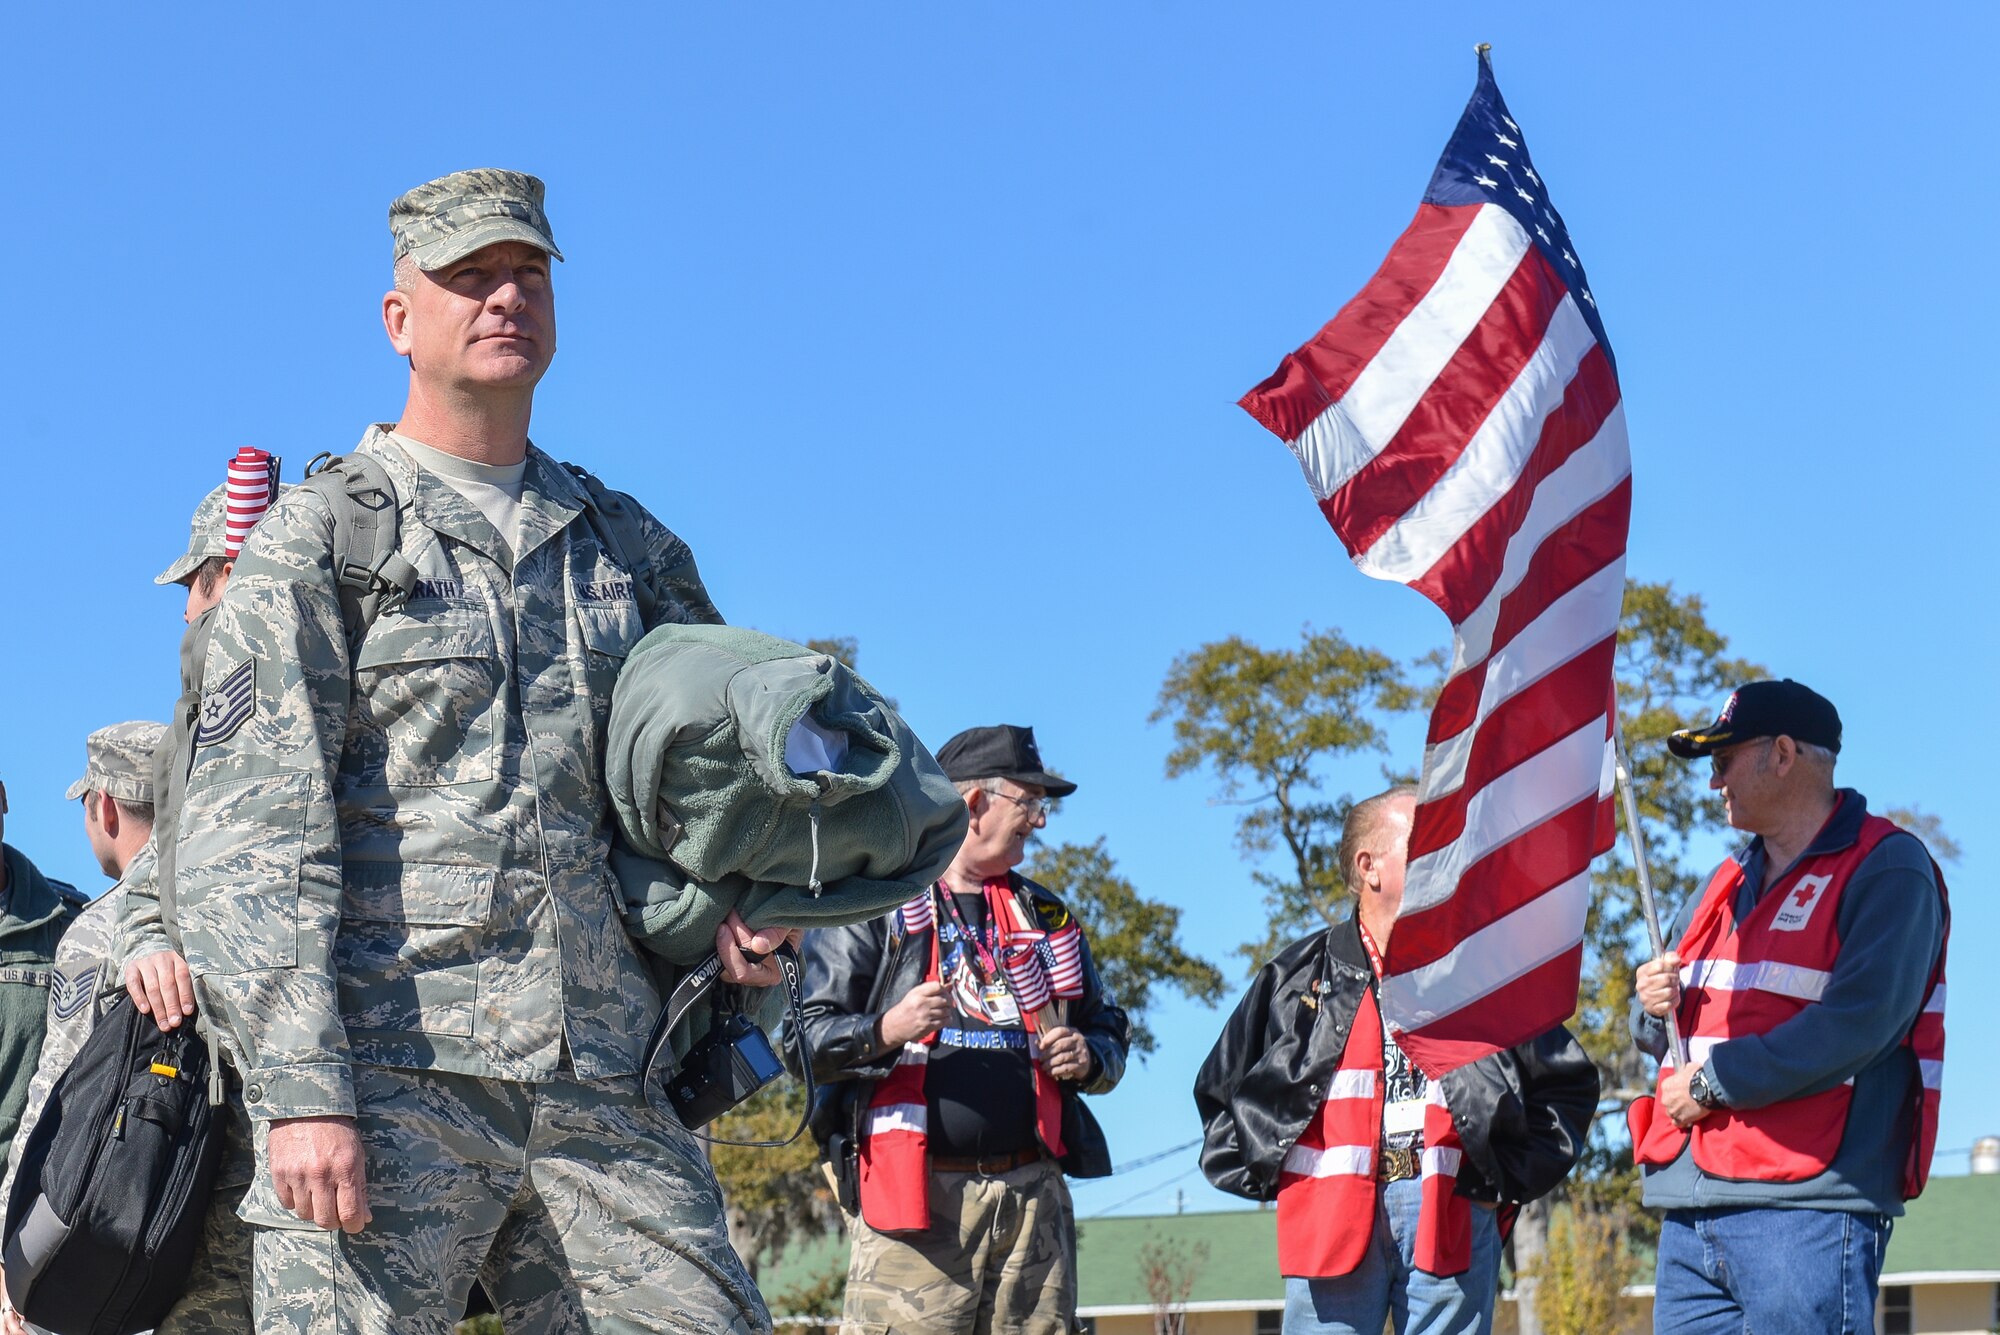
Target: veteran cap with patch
[(1764, 709), (118, 760), (208, 536), (447, 219), (1002, 751)]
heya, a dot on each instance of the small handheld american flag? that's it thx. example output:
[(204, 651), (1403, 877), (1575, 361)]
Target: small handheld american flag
[(919, 915), (1027, 979), (1062, 949)]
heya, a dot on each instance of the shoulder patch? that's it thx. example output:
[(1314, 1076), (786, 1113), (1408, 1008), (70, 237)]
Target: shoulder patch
[(71, 992), (227, 706)]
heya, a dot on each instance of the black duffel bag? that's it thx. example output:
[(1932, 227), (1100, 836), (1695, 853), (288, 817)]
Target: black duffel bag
[(113, 1184)]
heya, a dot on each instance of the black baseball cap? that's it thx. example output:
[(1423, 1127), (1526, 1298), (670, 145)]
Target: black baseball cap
[(1764, 709), (1003, 751)]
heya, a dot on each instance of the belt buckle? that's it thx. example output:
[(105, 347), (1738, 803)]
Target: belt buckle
[(1393, 1165)]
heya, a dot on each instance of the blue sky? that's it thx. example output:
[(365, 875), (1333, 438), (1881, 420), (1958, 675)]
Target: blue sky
[(924, 324)]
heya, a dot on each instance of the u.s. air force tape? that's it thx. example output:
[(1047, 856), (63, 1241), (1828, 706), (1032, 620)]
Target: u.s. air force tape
[(227, 706)]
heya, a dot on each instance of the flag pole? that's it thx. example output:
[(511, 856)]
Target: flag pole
[(1624, 771)]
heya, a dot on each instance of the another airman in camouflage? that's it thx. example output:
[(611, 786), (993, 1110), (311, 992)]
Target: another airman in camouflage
[(117, 794), (217, 1298), (392, 864)]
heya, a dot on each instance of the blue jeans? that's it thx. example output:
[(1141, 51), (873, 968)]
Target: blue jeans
[(1388, 1284), (1748, 1271)]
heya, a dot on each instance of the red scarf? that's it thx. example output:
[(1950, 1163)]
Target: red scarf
[(1327, 1188), (895, 1135)]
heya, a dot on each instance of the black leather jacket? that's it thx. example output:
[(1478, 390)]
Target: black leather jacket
[(855, 973), (1522, 1114)]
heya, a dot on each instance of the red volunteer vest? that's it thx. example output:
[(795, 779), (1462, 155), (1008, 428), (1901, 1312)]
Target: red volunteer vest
[(1326, 1187), (1748, 978), (895, 1131)]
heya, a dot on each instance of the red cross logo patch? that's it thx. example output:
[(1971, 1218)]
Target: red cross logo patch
[(1800, 901)]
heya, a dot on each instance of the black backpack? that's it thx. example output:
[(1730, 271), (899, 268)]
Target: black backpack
[(113, 1184)]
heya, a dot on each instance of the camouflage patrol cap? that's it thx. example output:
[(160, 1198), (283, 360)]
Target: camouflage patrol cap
[(207, 537), (119, 760), (449, 218)]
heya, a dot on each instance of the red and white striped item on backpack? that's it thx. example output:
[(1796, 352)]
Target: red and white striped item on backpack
[(252, 487)]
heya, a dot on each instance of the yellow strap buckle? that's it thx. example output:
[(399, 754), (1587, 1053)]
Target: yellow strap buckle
[(161, 1068)]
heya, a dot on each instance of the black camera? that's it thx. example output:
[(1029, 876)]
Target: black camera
[(731, 1062)]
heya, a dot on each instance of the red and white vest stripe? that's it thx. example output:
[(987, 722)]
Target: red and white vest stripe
[(1326, 1187), (1747, 978)]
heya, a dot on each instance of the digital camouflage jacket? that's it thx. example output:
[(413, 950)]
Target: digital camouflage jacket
[(411, 870)]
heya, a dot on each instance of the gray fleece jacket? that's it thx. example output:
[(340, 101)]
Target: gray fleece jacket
[(713, 815)]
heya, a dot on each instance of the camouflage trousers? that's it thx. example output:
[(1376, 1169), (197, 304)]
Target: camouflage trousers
[(578, 1208), (999, 1257), (217, 1300)]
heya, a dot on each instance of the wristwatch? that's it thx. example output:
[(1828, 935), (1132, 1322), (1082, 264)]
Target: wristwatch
[(1701, 1091)]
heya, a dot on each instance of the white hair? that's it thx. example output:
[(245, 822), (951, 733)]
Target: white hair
[(1819, 757)]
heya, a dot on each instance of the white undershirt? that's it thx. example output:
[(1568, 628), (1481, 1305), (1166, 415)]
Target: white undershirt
[(494, 488)]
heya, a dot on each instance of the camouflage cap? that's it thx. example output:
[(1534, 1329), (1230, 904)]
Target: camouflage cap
[(119, 760), (206, 537), (449, 218)]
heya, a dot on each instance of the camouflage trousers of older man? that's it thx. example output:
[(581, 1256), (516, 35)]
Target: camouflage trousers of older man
[(999, 1257), (578, 1208)]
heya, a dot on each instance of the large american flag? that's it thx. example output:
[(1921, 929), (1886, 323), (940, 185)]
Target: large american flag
[(1459, 423)]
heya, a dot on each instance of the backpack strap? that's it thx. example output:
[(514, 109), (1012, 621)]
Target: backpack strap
[(373, 576), (615, 517)]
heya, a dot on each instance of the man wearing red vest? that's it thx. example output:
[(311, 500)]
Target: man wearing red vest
[(1386, 1181), (953, 1037), (1807, 981)]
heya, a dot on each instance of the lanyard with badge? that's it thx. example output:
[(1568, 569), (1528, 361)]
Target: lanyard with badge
[(1399, 1116), (979, 989)]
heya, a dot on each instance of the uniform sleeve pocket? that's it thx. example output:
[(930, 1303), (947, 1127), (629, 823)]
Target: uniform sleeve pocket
[(242, 843)]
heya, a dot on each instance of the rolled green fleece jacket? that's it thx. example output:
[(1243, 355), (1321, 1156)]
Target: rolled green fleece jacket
[(711, 816)]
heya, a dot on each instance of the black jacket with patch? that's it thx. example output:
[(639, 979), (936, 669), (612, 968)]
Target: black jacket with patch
[(1522, 1114)]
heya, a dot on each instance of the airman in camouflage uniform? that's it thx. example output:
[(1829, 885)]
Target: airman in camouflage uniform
[(392, 864), (117, 793), (118, 775)]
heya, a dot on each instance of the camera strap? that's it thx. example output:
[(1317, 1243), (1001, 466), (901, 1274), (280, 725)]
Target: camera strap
[(699, 982)]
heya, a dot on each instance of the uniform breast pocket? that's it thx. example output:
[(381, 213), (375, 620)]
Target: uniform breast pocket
[(426, 710), (608, 630), (408, 950)]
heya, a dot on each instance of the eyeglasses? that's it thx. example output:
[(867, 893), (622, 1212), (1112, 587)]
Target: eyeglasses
[(1718, 761), (1035, 807)]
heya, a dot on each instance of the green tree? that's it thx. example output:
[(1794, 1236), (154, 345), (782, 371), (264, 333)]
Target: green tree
[(1577, 1281), (1268, 723), (1135, 941)]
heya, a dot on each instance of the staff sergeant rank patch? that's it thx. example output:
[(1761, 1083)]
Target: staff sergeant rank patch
[(70, 993), (227, 706)]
